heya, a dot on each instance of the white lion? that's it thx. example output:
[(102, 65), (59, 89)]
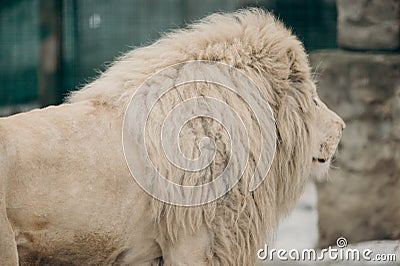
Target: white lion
[(67, 196)]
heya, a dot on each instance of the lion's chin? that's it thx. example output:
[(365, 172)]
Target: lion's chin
[(320, 167)]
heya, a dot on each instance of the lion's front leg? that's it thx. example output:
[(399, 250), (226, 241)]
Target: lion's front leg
[(8, 246), (188, 249)]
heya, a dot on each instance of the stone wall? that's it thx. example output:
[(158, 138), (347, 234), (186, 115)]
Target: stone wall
[(369, 24), (361, 198)]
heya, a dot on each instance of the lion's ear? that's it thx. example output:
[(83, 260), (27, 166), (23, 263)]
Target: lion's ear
[(291, 57), (296, 65), (293, 70)]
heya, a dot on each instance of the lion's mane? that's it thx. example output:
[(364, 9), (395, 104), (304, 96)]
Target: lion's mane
[(259, 45)]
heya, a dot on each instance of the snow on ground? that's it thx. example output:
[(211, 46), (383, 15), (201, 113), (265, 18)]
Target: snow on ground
[(300, 229)]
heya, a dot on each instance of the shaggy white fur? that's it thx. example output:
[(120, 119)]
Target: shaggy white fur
[(109, 214), (258, 44)]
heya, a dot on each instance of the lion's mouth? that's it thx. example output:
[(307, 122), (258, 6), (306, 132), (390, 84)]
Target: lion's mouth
[(320, 160)]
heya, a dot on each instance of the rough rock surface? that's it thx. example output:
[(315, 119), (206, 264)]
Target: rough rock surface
[(369, 24), (361, 198)]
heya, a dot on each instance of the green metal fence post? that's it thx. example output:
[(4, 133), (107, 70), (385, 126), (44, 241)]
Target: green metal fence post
[(50, 74)]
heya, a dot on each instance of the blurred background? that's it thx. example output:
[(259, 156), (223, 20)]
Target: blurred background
[(50, 47)]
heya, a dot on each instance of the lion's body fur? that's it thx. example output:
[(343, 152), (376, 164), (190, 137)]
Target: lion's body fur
[(97, 199), (256, 43)]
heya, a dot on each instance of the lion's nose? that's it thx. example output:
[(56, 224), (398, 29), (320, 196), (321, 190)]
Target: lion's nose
[(342, 123), (338, 120)]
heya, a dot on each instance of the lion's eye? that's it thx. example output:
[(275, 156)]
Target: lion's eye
[(315, 101)]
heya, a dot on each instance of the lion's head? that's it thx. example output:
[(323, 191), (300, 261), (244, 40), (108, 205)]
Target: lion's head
[(328, 128)]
